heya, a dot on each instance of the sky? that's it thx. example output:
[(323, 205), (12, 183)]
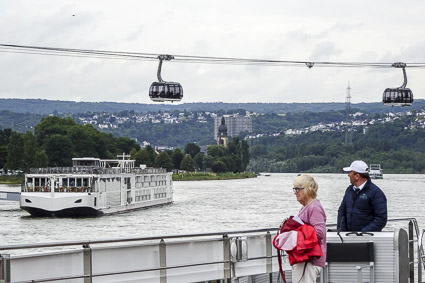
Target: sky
[(332, 31)]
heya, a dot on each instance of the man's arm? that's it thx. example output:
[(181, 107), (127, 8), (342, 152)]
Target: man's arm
[(342, 216), (379, 206)]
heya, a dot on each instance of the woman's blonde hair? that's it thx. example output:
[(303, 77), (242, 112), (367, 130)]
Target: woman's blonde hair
[(308, 183)]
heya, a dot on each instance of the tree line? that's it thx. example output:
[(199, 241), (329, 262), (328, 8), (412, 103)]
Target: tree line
[(395, 146), (55, 141)]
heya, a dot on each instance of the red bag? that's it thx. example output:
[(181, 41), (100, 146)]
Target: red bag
[(287, 225), (307, 247)]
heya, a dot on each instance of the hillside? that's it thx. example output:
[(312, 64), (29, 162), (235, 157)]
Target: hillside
[(46, 107)]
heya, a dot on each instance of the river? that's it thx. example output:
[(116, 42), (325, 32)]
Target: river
[(209, 206)]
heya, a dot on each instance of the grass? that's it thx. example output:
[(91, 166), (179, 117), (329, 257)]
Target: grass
[(11, 180), (199, 176)]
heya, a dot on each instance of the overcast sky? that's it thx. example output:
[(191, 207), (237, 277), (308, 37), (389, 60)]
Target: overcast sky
[(327, 30)]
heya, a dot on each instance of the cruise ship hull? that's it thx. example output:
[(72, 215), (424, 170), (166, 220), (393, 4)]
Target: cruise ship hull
[(67, 212)]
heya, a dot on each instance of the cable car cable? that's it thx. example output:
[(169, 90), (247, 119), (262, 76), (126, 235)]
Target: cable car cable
[(188, 59), (171, 91)]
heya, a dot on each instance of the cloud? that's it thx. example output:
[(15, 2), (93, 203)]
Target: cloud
[(328, 30)]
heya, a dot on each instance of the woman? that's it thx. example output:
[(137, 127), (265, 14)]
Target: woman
[(313, 214)]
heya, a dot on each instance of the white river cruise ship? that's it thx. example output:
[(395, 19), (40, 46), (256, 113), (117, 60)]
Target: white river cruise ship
[(94, 186)]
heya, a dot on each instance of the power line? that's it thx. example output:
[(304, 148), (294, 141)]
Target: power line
[(120, 55)]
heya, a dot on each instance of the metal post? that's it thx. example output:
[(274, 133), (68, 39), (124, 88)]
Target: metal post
[(411, 254), (87, 262), (269, 267), (163, 261), (5, 276), (226, 255), (359, 274)]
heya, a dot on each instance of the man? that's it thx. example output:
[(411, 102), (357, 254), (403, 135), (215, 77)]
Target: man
[(364, 206)]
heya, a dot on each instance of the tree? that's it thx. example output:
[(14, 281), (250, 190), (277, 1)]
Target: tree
[(163, 160), (41, 159), (4, 136), (219, 167), (208, 162), (3, 155), (142, 157), (15, 154), (83, 140), (192, 149), (258, 151), (199, 158), (216, 150), (59, 149), (125, 144), (30, 150), (177, 158), (4, 142), (52, 125), (245, 154), (187, 164), (151, 154)]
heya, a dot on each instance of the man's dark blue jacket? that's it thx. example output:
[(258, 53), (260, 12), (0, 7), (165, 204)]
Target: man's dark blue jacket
[(365, 211)]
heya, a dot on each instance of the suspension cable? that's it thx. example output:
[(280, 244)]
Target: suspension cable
[(70, 52)]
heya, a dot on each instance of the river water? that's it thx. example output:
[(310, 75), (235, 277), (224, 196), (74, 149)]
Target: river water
[(209, 206)]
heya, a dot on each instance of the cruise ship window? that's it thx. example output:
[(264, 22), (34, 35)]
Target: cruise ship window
[(65, 182), (78, 182)]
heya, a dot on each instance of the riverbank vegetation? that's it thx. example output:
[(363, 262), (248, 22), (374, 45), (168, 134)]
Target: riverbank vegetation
[(197, 176), (11, 180), (56, 141)]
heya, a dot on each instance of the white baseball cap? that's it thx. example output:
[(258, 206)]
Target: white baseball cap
[(358, 166)]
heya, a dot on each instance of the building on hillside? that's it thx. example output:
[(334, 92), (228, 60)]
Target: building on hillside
[(222, 133), (160, 148), (235, 125)]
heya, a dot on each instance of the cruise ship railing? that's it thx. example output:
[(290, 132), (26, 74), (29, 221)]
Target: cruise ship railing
[(230, 257), (95, 170), (224, 236)]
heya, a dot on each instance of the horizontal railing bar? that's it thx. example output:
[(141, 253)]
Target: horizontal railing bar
[(160, 268), (124, 272), (55, 279), (91, 242), (137, 270), (107, 241)]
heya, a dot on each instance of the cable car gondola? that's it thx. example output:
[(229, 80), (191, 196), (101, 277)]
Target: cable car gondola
[(165, 91), (400, 96)]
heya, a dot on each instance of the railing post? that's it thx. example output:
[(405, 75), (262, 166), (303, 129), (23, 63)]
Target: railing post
[(269, 266), (87, 261), (163, 261), (5, 276), (411, 254), (226, 256), (269, 251)]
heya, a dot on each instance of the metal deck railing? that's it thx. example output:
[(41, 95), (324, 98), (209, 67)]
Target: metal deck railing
[(228, 240)]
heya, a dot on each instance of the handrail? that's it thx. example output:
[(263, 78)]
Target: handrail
[(107, 241), (222, 235), (91, 242)]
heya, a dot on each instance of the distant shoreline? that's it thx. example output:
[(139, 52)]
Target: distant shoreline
[(200, 176), (187, 176)]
